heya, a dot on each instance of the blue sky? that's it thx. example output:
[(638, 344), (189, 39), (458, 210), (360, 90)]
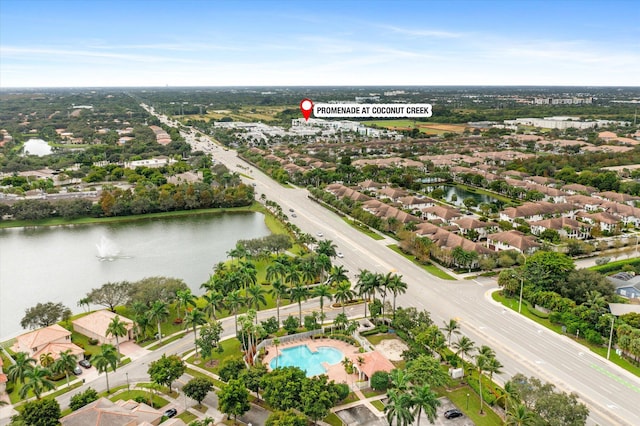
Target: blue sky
[(64, 43)]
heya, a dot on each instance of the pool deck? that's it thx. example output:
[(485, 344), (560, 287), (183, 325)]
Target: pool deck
[(334, 372)]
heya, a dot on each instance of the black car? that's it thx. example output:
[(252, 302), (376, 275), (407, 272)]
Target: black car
[(452, 414), (85, 363), (170, 412)]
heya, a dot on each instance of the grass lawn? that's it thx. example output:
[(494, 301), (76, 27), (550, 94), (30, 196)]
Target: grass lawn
[(459, 398), (231, 348), (333, 420), (352, 397), (363, 228), (368, 393), (430, 268), (378, 404), (377, 338), (600, 350), (158, 402), (187, 417)]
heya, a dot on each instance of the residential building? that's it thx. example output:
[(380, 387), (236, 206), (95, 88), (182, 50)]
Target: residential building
[(512, 240), (566, 227), (103, 412), (48, 340), (96, 323)]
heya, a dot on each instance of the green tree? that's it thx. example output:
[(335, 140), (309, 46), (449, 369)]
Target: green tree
[(110, 295), (299, 293), (425, 370), (323, 291), (36, 381), (209, 338), (22, 364), (252, 377), (464, 346), (326, 247), (424, 399), (46, 359), (344, 294), (317, 397), (117, 329), (452, 327), (195, 318), (548, 271), (105, 359), (166, 369), (159, 313), (256, 296), (81, 399), (234, 301), (42, 412), (398, 408), (396, 286), (337, 275), (286, 418), (198, 388), (65, 363), (366, 285), (214, 300), (282, 387), (44, 315), (520, 415), (185, 299), (233, 399), (278, 291)]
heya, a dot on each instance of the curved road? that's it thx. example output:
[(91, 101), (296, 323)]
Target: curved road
[(611, 393)]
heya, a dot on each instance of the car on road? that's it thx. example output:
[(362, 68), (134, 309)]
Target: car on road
[(171, 412), (320, 234), (340, 255), (77, 370), (452, 414), (294, 215), (291, 210), (85, 363)]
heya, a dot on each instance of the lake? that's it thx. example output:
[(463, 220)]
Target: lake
[(37, 147), (456, 195), (63, 263)]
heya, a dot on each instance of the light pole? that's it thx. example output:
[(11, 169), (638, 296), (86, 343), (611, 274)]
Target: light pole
[(522, 283), (467, 402), (613, 318)]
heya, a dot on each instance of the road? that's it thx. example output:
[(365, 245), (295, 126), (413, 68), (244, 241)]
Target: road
[(611, 393)]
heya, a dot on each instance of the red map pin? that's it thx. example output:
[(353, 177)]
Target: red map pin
[(306, 106)]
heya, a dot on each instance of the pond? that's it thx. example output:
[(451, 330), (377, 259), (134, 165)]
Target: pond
[(37, 147), (63, 263), (456, 195)]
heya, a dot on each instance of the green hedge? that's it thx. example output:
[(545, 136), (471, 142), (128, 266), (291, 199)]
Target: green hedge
[(615, 266)]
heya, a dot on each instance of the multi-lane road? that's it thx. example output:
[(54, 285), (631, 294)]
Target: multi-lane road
[(611, 393)]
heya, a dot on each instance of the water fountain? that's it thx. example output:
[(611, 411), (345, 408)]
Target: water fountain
[(107, 249)]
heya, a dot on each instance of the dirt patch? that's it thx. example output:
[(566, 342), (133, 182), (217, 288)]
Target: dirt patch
[(212, 363), (392, 349)]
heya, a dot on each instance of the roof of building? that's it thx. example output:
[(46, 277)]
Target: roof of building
[(97, 322), (42, 336), (373, 361), (515, 239), (103, 412)]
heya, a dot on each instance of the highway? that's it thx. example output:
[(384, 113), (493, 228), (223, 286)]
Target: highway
[(611, 393)]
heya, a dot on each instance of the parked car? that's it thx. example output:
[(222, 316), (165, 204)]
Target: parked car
[(339, 254), (171, 412), (77, 370), (85, 363), (452, 414)]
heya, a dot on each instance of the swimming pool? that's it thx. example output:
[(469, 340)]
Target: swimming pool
[(311, 362)]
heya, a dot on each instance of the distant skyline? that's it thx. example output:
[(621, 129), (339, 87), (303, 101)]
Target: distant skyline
[(77, 43)]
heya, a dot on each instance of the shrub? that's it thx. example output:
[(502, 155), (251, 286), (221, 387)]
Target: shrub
[(593, 337), (93, 341), (380, 380), (81, 399), (231, 368), (343, 391)]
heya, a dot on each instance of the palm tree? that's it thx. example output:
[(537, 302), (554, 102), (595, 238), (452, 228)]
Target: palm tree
[(365, 286), (234, 300), (46, 360), (276, 342), (294, 277), (308, 271), (248, 274), (66, 363), (520, 415), (344, 294), (323, 263), (277, 270), (337, 275), (327, 248), (107, 357), (117, 329), (142, 323), (159, 313), (398, 408), (322, 291), (185, 298), (486, 351), (22, 363), (464, 346), (255, 295), (493, 367), (510, 395), (36, 381), (400, 379), (423, 398), (299, 293), (278, 290), (383, 287), (214, 300), (396, 286), (481, 363), (452, 327), (194, 318), (85, 301)]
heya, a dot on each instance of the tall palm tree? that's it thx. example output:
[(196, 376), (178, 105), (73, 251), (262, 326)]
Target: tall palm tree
[(493, 367), (398, 408), (117, 329), (22, 364), (66, 363), (36, 381), (294, 276), (424, 399), (322, 291), (337, 275), (276, 342), (344, 294), (308, 270), (247, 273), (299, 293), (365, 286), (277, 270), (255, 296), (464, 346), (481, 363), (194, 318), (142, 323), (520, 415), (46, 359), (396, 286), (234, 301), (383, 288), (106, 358), (510, 395), (185, 299), (159, 313), (327, 248), (85, 301), (323, 263), (213, 299), (486, 351), (278, 291), (400, 379), (451, 327)]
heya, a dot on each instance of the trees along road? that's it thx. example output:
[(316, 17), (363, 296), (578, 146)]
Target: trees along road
[(611, 393)]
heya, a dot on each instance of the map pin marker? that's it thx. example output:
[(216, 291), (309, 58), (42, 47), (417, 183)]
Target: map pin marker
[(306, 106)]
